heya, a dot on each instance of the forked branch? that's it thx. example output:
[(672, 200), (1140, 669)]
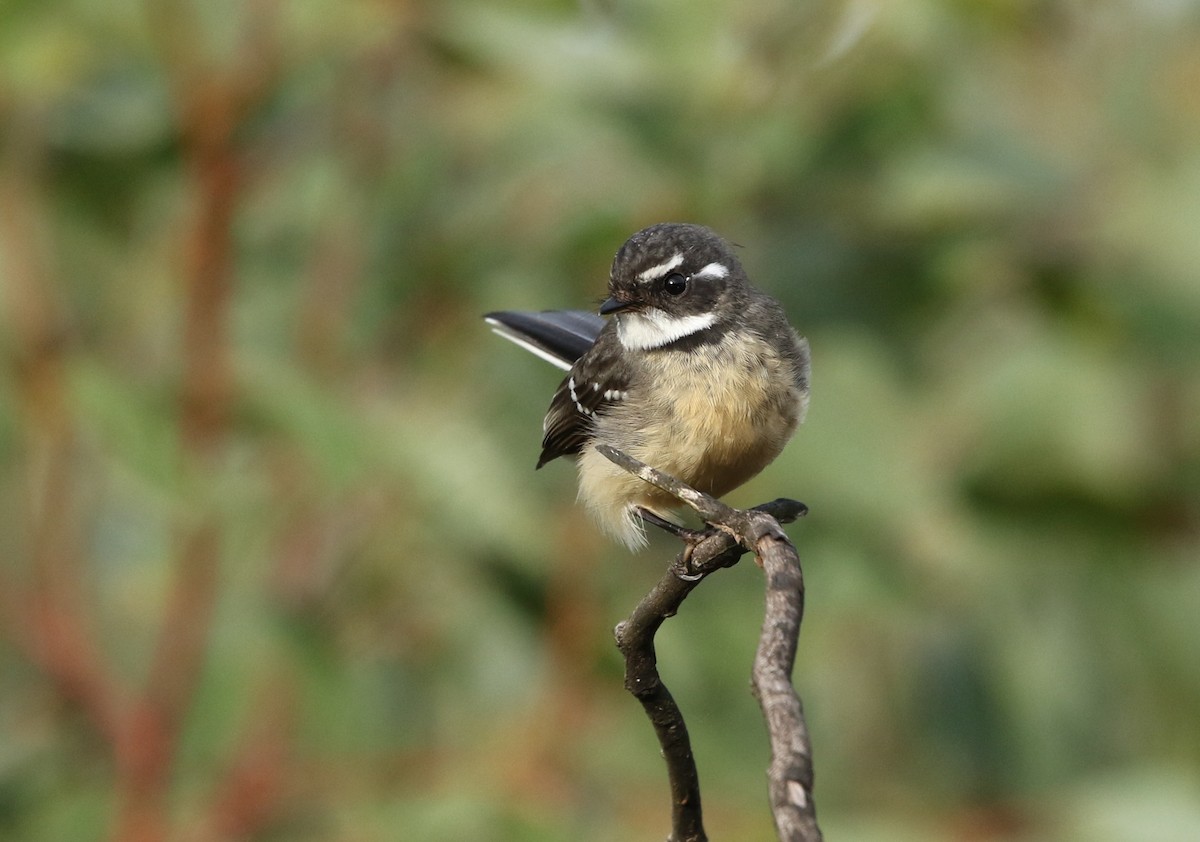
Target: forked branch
[(731, 533)]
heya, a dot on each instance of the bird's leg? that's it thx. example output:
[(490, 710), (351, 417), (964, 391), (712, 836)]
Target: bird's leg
[(681, 532)]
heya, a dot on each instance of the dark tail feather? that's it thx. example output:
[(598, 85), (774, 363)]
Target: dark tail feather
[(558, 336)]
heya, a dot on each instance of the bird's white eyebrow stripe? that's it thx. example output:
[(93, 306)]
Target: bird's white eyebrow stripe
[(661, 269), (713, 270)]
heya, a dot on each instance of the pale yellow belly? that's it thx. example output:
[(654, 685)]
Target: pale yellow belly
[(712, 430)]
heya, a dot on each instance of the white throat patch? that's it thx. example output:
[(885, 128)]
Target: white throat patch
[(652, 328)]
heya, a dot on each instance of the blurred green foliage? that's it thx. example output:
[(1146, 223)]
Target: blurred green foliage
[(984, 216)]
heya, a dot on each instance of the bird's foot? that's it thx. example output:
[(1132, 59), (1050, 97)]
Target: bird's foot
[(682, 566)]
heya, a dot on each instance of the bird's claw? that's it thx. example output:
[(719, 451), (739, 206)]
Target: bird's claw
[(682, 566)]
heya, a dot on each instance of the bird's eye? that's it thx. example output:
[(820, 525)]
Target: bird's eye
[(675, 284)]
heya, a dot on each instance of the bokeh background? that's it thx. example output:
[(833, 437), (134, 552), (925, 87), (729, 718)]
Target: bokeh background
[(276, 565)]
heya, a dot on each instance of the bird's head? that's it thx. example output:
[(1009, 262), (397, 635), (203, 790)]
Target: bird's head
[(670, 281)]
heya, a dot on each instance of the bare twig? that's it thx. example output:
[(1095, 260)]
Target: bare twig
[(635, 639), (732, 532), (790, 776)]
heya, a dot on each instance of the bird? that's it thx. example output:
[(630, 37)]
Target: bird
[(696, 372)]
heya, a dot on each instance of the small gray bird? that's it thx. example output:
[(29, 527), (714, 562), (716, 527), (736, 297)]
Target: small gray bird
[(697, 373)]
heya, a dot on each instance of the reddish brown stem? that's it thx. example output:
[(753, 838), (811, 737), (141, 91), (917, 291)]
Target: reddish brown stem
[(149, 741), (47, 616)]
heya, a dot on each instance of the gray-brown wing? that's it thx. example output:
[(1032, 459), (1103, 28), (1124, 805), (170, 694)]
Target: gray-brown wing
[(594, 384)]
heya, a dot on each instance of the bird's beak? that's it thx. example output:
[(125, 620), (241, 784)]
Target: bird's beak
[(614, 305)]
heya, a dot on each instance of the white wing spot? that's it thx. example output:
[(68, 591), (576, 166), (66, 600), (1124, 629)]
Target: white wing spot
[(575, 397)]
